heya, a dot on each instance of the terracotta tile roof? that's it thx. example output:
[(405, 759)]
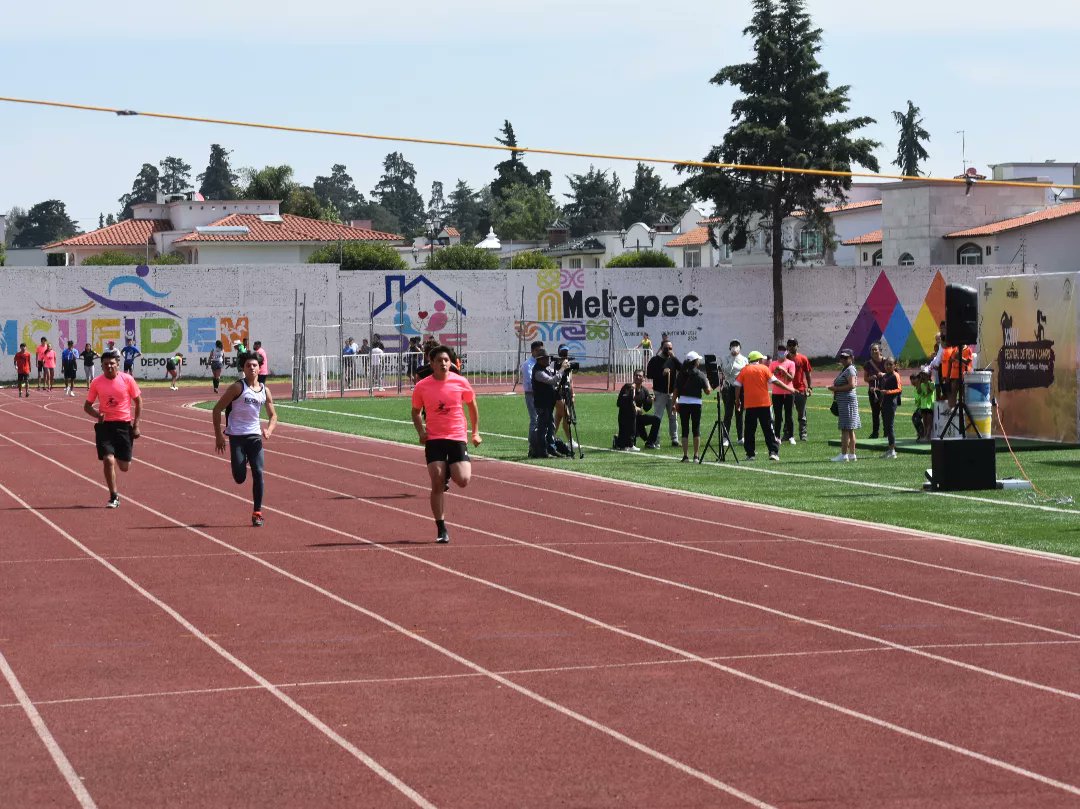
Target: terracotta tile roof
[(129, 233), (452, 232), (691, 238), (873, 237), (844, 207), (290, 229), (1045, 215)]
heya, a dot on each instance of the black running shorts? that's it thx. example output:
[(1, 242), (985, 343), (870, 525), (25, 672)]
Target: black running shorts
[(113, 438), (443, 449)]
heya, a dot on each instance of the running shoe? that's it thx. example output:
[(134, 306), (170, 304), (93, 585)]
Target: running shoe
[(443, 537), (839, 458), (114, 501), (653, 445), (791, 440), (256, 519), (632, 448), (890, 454)]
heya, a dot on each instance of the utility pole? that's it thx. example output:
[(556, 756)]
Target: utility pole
[(963, 147)]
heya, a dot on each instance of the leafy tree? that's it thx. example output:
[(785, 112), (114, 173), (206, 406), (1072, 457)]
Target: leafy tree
[(594, 202), (175, 175), (462, 257), (302, 201), (15, 219), (464, 211), (532, 260), (218, 181), (910, 149), (641, 258), (787, 115), (339, 191), (169, 258), (648, 198), (145, 188), (523, 213), (437, 205), (118, 258), (3, 256), (110, 220), (513, 171), (360, 256), (44, 223), (269, 182), (100, 220), (381, 219), (396, 192)]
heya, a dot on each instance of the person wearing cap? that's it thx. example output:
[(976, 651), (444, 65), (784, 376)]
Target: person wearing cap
[(730, 366), (783, 397), (662, 371), (536, 348), (847, 404), (563, 394), (690, 387), (753, 385), (803, 383)]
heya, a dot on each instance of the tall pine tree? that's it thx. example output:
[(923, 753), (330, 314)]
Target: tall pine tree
[(396, 192), (513, 171), (788, 116), (145, 188), (338, 191), (648, 198), (218, 181), (175, 175), (465, 212), (595, 202), (910, 150)]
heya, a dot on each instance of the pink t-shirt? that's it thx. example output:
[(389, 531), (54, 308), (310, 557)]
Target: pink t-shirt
[(264, 369), (115, 395), (50, 358), (442, 403), (784, 370)]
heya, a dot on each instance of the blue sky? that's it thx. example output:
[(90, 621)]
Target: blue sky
[(623, 77)]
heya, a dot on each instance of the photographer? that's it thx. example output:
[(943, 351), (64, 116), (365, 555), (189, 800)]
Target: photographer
[(730, 366), (635, 400), (546, 380), (691, 386), (564, 393), (662, 371)]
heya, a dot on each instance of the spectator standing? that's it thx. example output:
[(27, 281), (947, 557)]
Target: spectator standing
[(662, 371), (889, 386), (753, 386), (783, 369), (50, 365), (69, 362), (376, 354), (348, 359), (847, 404), (39, 356), (730, 367), (803, 383), (88, 356), (264, 363), (129, 352), (873, 370), (22, 370), (536, 348), (691, 387)]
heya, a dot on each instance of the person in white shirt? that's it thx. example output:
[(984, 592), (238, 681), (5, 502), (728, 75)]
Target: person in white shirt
[(536, 348), (730, 367), (376, 363)]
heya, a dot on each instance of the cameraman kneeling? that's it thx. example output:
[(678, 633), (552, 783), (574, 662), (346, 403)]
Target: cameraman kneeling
[(635, 400)]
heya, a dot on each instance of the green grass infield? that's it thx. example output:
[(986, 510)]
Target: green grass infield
[(872, 488)]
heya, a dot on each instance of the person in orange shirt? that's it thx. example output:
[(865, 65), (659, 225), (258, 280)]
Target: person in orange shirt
[(119, 407), (43, 346), (753, 384), (49, 360), (22, 369), (954, 364)]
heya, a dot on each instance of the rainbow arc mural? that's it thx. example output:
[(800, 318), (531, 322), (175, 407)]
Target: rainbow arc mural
[(882, 317)]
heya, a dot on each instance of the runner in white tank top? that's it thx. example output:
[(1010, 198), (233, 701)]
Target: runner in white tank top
[(245, 399)]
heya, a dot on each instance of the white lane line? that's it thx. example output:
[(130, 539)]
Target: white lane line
[(288, 701), (760, 470), (674, 763), (577, 523), (817, 701), (515, 672), (82, 795), (899, 532)]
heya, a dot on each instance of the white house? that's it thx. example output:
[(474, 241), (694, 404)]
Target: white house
[(1049, 171), (597, 249), (215, 232)]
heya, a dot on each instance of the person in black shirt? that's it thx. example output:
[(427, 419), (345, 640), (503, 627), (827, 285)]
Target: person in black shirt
[(634, 402), (691, 386), (545, 382), (662, 371), (873, 371), (88, 356)]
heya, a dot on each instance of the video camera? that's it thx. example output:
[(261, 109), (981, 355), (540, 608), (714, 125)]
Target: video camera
[(564, 354), (712, 371)]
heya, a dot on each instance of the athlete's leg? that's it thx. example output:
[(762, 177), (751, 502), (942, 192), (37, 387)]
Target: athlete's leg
[(238, 458), (461, 473), (109, 463), (437, 474), (255, 459)]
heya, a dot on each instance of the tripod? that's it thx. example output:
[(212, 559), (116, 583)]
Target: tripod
[(566, 390), (724, 438)]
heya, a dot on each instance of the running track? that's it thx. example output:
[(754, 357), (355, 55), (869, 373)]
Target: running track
[(579, 643)]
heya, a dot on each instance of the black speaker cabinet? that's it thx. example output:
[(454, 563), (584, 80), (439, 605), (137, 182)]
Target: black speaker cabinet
[(961, 315), (963, 463)]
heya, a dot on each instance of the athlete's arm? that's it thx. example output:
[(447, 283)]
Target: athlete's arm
[(474, 420), (271, 412), (418, 423), (231, 392), (90, 411), (137, 401)]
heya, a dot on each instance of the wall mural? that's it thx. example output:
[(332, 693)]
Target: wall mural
[(882, 317)]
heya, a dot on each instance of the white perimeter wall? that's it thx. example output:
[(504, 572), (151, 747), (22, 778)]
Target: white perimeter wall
[(701, 308)]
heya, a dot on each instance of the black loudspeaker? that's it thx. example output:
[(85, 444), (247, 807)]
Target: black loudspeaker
[(961, 315), (963, 463)]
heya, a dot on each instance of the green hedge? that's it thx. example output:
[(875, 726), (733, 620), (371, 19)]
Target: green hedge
[(641, 258), (360, 256)]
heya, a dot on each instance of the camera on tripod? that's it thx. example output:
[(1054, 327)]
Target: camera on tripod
[(564, 354)]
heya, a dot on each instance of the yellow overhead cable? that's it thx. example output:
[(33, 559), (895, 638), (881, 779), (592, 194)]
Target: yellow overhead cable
[(525, 149)]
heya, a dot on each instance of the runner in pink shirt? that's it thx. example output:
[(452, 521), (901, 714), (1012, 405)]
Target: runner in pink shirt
[(440, 423), (119, 406), (49, 359), (39, 355)]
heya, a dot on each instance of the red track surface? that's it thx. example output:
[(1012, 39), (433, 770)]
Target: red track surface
[(579, 643)]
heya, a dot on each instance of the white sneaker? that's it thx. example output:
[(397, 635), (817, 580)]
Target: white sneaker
[(791, 440), (630, 449), (890, 454), (839, 458), (727, 443), (852, 457), (773, 456)]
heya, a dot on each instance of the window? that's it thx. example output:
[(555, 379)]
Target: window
[(969, 254), (810, 242), (987, 249), (594, 263), (877, 259), (906, 260), (865, 256), (575, 263), (692, 258)]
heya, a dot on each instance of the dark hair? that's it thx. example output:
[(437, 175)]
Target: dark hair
[(22, 345), (792, 341), (110, 355), (258, 343), (251, 356), (218, 344), (434, 351), (71, 342), (734, 343), (536, 344)]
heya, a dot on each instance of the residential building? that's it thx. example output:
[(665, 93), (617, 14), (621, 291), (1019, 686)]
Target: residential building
[(1048, 171), (597, 249), (215, 232)]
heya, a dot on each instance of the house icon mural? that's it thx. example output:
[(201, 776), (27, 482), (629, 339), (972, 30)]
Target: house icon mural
[(420, 308)]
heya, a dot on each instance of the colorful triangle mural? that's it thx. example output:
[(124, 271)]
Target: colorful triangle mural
[(873, 319), (920, 343), (883, 317)]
